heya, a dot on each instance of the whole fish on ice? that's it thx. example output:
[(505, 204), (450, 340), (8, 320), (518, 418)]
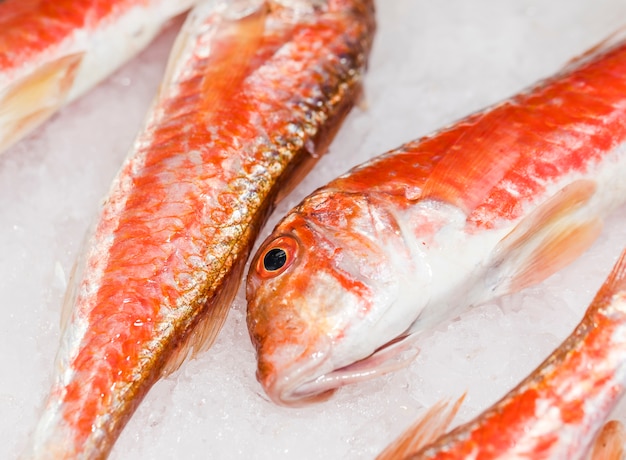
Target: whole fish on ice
[(53, 51), (557, 410), (253, 94), (348, 280)]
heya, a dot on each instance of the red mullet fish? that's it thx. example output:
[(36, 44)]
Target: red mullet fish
[(488, 206), (253, 94)]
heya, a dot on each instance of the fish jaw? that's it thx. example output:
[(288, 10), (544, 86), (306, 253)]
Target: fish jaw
[(307, 381), (334, 312)]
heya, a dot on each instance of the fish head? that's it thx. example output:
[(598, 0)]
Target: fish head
[(325, 300)]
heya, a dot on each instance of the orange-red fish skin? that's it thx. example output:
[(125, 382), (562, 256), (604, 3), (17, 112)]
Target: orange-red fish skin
[(46, 23), (31, 27), (568, 121)]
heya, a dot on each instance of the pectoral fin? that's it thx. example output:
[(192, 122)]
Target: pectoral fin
[(28, 102), (610, 441), (545, 241)]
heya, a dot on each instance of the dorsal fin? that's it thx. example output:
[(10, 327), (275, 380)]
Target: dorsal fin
[(424, 431), (545, 241), (615, 282), (75, 278), (609, 42), (31, 100), (69, 299)]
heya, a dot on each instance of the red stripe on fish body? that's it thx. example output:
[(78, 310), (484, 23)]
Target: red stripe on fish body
[(31, 27)]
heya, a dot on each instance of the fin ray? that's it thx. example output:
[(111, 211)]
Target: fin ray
[(31, 100), (545, 241), (609, 443), (424, 431), (556, 252), (210, 323)]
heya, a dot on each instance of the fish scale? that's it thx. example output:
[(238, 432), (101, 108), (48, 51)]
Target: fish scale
[(230, 128)]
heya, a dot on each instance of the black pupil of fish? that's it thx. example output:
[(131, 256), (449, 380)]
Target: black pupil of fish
[(274, 259)]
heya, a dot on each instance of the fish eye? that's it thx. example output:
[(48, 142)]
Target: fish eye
[(274, 259), (277, 256)]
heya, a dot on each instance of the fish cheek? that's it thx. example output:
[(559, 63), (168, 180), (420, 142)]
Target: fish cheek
[(271, 311)]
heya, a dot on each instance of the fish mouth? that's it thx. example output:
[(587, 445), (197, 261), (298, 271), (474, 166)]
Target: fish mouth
[(295, 387), (284, 385)]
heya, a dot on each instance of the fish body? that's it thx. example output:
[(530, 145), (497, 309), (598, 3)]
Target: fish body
[(485, 207), (557, 410), (53, 51), (252, 95)]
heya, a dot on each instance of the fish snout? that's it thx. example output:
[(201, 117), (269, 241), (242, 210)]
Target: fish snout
[(286, 372)]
